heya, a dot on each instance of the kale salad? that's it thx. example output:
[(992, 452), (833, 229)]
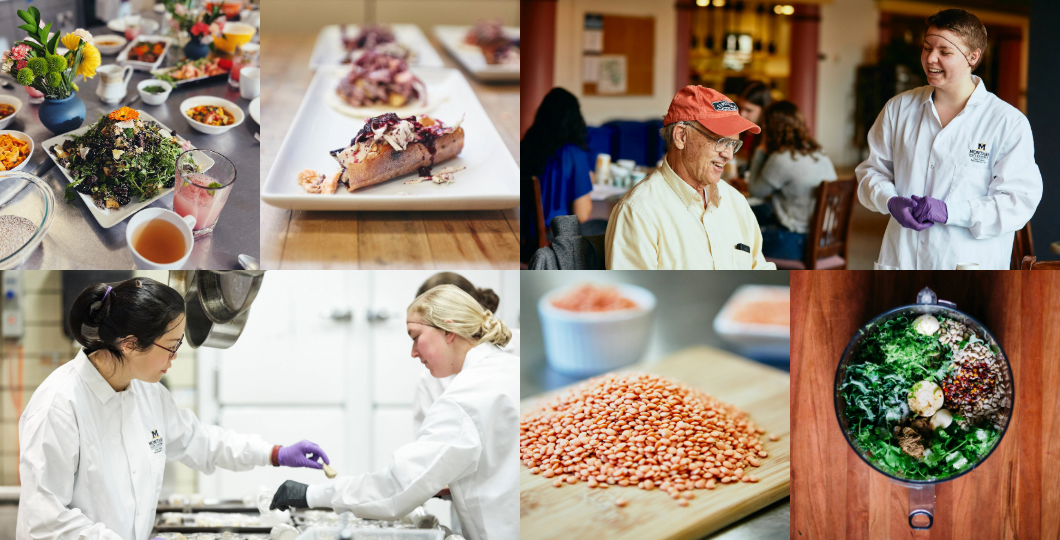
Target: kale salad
[(925, 397), (119, 157)]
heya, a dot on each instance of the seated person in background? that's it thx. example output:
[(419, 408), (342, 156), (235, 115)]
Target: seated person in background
[(787, 171), (754, 99), (554, 151), (683, 217)]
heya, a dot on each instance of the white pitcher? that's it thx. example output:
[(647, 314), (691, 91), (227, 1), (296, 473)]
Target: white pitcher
[(113, 82)]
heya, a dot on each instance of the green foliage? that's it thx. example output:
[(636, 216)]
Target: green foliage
[(39, 43), (889, 362), (38, 65), (25, 76)]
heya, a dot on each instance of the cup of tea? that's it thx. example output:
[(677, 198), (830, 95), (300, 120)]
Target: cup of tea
[(160, 239), (249, 82)]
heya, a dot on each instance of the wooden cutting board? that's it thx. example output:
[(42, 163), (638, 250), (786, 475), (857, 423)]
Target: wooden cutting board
[(580, 512)]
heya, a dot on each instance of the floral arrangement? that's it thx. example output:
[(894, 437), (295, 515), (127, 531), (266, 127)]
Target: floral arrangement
[(201, 25), (34, 62)]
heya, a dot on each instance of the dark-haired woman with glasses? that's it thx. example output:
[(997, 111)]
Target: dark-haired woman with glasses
[(97, 433)]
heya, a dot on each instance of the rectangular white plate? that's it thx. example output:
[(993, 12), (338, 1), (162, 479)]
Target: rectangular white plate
[(123, 56), (490, 182), (330, 52), (110, 218), (471, 57)]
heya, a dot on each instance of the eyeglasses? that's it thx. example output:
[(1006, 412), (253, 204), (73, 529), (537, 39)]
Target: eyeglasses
[(721, 144), (173, 351)]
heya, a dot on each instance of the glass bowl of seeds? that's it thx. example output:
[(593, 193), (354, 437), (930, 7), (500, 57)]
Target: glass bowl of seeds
[(27, 206)]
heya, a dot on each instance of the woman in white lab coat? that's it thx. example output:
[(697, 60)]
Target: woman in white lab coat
[(951, 162), (469, 440), (97, 433)]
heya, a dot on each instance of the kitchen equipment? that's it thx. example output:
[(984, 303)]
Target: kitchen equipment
[(921, 492), (580, 512), (217, 303), (27, 196)]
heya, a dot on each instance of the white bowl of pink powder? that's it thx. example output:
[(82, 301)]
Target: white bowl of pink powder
[(590, 329)]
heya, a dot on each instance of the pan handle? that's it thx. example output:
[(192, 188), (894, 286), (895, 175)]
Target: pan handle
[(921, 506), (928, 296)]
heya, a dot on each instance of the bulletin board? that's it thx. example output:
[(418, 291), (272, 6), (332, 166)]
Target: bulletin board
[(626, 47)]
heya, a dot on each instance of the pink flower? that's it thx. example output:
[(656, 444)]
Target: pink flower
[(6, 57), (180, 10), (21, 64), (199, 29), (20, 52), (215, 29)]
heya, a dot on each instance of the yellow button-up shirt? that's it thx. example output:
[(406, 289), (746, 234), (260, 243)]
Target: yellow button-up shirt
[(662, 224)]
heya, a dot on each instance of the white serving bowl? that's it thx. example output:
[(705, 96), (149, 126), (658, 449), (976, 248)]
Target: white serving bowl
[(189, 103), (14, 102), (120, 43), (23, 137), (154, 99), (589, 343)]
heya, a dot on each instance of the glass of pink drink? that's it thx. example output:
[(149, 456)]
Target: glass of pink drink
[(202, 193)]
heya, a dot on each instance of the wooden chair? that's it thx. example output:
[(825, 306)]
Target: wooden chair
[(826, 243), (1030, 263), (1022, 246)]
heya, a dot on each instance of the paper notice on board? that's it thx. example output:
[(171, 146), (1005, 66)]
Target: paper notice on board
[(590, 68), (593, 41), (612, 74)]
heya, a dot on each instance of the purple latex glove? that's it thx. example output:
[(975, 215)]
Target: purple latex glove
[(930, 209), (902, 210), (295, 455)]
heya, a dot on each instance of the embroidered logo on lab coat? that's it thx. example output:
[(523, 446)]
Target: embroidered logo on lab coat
[(979, 154), (156, 443), (724, 106)]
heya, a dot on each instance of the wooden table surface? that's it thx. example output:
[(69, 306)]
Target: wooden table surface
[(324, 240), (1015, 493)]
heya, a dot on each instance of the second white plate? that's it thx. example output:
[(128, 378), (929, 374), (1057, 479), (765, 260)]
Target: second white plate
[(329, 50), (490, 182)]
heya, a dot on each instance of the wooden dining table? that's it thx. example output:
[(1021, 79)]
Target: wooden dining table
[(369, 240), (1013, 494)]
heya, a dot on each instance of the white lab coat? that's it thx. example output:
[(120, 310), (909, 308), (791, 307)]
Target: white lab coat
[(429, 389), (981, 165), (469, 441), (92, 458)]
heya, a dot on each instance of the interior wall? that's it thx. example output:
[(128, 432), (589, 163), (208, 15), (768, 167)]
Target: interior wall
[(570, 19), (1043, 111), (849, 33), (308, 16)]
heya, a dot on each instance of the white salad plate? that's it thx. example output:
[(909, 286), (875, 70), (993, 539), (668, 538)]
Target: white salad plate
[(490, 182), (110, 218), (329, 50), (471, 57), (123, 56)]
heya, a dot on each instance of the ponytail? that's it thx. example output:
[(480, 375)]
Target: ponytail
[(104, 317), (451, 309)]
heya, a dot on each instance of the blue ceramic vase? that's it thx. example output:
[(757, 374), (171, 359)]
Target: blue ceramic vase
[(62, 115), (196, 49)]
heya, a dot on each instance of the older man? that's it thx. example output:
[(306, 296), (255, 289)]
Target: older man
[(683, 217)]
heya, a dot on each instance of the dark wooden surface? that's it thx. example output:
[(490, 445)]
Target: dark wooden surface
[(1015, 494)]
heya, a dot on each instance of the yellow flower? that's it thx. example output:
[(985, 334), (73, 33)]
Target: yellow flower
[(90, 60), (70, 41)]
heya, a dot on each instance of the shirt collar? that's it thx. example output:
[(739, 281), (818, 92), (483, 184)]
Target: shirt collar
[(95, 381), (978, 95), (479, 353), (684, 191)]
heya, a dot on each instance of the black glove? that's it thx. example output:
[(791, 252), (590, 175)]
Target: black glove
[(290, 495)]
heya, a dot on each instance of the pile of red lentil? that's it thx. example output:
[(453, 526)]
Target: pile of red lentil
[(635, 429)]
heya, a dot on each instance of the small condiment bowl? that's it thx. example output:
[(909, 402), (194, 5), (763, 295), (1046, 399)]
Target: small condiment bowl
[(154, 99), (27, 196), (14, 102), (22, 137), (583, 343), (110, 43), (237, 113)]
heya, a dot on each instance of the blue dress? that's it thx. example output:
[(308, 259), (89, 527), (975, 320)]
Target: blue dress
[(566, 178)]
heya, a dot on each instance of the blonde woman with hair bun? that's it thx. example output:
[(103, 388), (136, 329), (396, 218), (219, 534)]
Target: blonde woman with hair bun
[(469, 441)]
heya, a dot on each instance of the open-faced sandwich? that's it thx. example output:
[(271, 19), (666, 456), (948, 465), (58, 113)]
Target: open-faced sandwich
[(387, 147), (497, 47), (376, 37), (380, 80)]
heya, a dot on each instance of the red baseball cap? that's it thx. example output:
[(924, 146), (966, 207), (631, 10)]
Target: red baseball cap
[(710, 108)]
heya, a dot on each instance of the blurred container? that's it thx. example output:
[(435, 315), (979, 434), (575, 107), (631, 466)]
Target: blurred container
[(750, 322), (589, 343)]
